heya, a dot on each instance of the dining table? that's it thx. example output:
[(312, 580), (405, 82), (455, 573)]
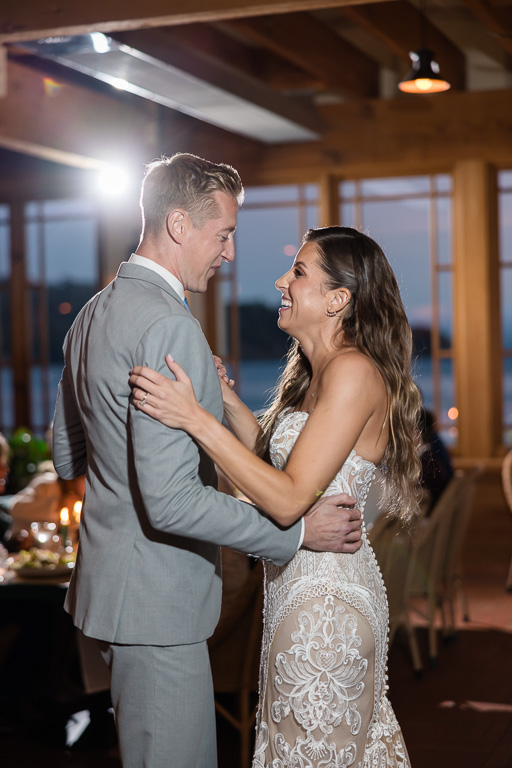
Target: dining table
[(45, 659)]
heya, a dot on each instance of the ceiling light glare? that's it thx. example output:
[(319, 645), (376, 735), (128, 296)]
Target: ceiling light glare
[(100, 42), (119, 83), (113, 181)]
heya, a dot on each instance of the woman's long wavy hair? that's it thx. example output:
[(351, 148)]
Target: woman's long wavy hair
[(375, 322)]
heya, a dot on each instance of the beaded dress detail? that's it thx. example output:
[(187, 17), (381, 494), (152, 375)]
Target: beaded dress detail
[(323, 680)]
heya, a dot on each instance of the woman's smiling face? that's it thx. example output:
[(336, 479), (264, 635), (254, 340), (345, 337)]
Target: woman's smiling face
[(304, 301)]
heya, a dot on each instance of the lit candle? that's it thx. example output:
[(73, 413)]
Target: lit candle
[(77, 511), (64, 522)]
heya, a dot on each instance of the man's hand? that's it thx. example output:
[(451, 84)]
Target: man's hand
[(331, 529)]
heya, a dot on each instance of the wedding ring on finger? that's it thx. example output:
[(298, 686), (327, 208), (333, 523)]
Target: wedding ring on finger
[(143, 401)]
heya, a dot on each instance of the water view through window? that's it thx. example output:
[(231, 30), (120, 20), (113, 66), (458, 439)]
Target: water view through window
[(505, 234), (410, 217), (63, 273)]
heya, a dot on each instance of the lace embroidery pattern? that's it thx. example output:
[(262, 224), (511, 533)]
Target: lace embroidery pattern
[(325, 672), (318, 678)]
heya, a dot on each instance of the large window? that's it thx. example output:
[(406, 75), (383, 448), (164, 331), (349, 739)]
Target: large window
[(410, 217), (6, 377), (505, 231), (62, 269), (270, 228), (57, 270)]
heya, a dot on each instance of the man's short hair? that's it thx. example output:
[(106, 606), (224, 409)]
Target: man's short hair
[(188, 182)]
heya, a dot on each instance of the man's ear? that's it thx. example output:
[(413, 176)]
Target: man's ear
[(176, 224)]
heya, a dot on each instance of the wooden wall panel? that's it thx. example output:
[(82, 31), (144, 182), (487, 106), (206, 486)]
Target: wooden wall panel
[(409, 134)]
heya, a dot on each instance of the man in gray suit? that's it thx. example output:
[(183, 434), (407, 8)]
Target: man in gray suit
[(147, 579)]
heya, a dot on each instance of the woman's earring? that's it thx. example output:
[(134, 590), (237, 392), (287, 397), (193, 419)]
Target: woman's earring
[(330, 314)]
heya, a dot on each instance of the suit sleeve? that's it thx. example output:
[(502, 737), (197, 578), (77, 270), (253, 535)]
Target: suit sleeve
[(167, 460), (69, 450)]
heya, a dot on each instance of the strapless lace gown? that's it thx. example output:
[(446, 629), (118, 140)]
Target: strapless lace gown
[(323, 680)]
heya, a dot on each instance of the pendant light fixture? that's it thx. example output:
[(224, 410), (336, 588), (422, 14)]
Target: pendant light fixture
[(425, 76)]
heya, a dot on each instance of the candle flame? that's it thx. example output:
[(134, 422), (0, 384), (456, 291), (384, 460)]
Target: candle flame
[(77, 511), (64, 516)]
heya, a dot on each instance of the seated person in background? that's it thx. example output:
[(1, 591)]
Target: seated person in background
[(5, 518), (4, 462), (42, 499), (436, 463)]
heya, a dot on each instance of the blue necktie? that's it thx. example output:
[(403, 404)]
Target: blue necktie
[(186, 304)]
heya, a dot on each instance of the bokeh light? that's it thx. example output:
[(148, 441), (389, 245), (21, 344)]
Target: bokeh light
[(113, 181), (51, 87), (100, 42)]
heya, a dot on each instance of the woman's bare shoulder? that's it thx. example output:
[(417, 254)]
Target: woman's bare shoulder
[(351, 374), (350, 361)]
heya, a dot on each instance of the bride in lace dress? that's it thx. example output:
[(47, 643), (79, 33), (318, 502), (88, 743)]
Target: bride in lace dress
[(345, 403)]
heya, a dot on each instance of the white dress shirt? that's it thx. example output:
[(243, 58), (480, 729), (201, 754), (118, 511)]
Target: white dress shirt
[(173, 281)]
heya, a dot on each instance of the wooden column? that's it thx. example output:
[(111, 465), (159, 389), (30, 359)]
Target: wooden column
[(477, 309), (329, 211)]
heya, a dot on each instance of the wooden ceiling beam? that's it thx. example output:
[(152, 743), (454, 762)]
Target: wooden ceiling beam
[(215, 42), (166, 46), (33, 19), (72, 125), (311, 45), (497, 20), (415, 136), (402, 28), (48, 117), (285, 76)]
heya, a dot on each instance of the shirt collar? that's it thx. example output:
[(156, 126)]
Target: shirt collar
[(173, 281)]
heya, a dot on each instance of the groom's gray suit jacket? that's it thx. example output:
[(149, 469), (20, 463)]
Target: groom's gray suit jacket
[(148, 569)]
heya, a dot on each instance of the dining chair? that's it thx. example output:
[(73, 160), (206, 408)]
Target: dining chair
[(453, 565), (428, 562), (392, 543), (506, 479), (234, 656)]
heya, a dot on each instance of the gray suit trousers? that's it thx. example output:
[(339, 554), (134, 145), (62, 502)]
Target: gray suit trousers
[(159, 694)]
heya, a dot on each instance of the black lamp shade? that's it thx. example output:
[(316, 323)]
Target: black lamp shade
[(424, 76)]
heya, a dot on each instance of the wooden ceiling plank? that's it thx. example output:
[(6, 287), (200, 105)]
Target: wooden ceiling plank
[(308, 43), (497, 20), (54, 154), (220, 73), (402, 28), (216, 42), (33, 19)]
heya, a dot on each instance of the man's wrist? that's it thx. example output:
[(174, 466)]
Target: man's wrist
[(302, 533)]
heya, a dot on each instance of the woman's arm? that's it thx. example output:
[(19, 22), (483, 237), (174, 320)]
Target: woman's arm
[(345, 403)]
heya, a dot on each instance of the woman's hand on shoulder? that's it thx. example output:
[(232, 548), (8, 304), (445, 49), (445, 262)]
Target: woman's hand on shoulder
[(173, 403), (226, 384)]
